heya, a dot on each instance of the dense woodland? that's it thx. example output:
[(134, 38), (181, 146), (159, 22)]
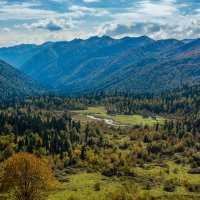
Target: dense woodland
[(44, 126), (183, 101), (16, 84)]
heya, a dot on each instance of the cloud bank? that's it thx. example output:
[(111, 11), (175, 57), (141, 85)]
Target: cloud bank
[(36, 21)]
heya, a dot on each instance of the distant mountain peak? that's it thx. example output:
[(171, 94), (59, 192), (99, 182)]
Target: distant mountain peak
[(106, 37), (144, 37)]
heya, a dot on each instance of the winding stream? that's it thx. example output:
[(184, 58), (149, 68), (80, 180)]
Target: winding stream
[(107, 121)]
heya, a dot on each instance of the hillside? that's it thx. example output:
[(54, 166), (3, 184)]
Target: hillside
[(103, 63), (15, 83), (67, 61), (19, 54), (168, 69)]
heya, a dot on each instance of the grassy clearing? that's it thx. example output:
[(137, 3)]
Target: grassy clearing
[(82, 186), (176, 171), (121, 119), (181, 176)]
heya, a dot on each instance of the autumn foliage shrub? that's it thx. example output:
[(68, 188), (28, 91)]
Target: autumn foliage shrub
[(26, 177)]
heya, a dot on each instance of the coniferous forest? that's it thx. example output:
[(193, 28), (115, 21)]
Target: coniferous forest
[(157, 157)]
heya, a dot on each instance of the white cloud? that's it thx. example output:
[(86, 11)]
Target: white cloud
[(23, 11), (6, 29), (81, 8), (159, 9), (90, 1), (157, 19), (98, 12), (60, 1), (56, 24), (14, 38)]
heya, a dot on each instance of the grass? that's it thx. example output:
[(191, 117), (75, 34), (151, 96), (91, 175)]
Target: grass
[(120, 119), (182, 176), (182, 172), (82, 186)]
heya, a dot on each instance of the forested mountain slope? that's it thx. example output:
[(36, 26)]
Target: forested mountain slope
[(103, 63), (15, 83), (68, 61), (19, 54)]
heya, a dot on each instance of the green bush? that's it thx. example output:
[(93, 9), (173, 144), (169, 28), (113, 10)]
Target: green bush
[(169, 188), (97, 187)]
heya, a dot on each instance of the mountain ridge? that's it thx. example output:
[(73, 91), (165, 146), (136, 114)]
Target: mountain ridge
[(133, 64)]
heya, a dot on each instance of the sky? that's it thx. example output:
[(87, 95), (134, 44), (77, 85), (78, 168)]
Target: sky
[(38, 21)]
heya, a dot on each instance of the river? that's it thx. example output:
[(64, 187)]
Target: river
[(107, 121)]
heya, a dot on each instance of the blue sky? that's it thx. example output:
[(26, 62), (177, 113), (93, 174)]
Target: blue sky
[(37, 21)]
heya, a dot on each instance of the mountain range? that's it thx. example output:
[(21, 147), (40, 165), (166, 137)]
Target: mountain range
[(102, 63)]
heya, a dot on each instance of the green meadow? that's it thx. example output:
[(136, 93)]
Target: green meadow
[(121, 119), (82, 186)]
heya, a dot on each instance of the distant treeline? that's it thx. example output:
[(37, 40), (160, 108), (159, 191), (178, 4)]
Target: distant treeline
[(184, 101)]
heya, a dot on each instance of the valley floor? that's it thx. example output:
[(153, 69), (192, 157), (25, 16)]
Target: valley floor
[(101, 112), (99, 156), (92, 186)]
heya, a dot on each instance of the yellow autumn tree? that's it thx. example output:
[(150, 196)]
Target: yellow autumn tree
[(27, 177)]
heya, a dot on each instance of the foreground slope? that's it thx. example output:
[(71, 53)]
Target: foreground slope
[(15, 83)]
